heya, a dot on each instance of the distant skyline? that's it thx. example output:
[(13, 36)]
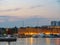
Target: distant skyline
[(12, 21), (12, 12)]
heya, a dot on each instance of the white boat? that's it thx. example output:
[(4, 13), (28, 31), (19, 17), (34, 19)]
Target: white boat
[(8, 38)]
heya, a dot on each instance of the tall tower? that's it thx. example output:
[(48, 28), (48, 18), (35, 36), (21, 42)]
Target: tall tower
[(58, 23), (53, 23)]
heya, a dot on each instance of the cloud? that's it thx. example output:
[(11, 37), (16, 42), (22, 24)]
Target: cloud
[(9, 18), (1, 0), (12, 19), (1, 20), (35, 6), (15, 9), (58, 2)]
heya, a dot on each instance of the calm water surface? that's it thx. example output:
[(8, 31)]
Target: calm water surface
[(34, 41)]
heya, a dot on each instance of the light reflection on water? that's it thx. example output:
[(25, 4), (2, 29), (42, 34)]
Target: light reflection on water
[(29, 41), (34, 41), (6, 43), (47, 41), (58, 41)]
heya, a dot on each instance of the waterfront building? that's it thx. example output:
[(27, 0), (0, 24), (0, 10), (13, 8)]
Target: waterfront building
[(53, 23), (58, 23)]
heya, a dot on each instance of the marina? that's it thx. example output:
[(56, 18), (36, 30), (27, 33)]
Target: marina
[(8, 39), (34, 41), (29, 22)]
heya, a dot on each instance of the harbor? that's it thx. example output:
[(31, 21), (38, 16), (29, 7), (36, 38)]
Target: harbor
[(34, 41), (29, 22)]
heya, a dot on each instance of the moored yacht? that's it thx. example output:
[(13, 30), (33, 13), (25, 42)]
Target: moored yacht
[(8, 38)]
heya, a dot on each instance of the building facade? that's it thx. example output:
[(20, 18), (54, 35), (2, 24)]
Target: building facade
[(55, 23)]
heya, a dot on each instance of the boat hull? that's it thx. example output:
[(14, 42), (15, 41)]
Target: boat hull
[(8, 39)]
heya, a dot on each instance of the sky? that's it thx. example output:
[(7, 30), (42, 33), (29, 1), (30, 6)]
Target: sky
[(15, 12)]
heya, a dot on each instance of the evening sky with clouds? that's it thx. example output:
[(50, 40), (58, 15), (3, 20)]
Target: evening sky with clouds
[(15, 12)]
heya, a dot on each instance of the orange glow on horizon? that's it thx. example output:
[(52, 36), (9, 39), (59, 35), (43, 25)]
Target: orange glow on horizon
[(31, 33), (51, 33)]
